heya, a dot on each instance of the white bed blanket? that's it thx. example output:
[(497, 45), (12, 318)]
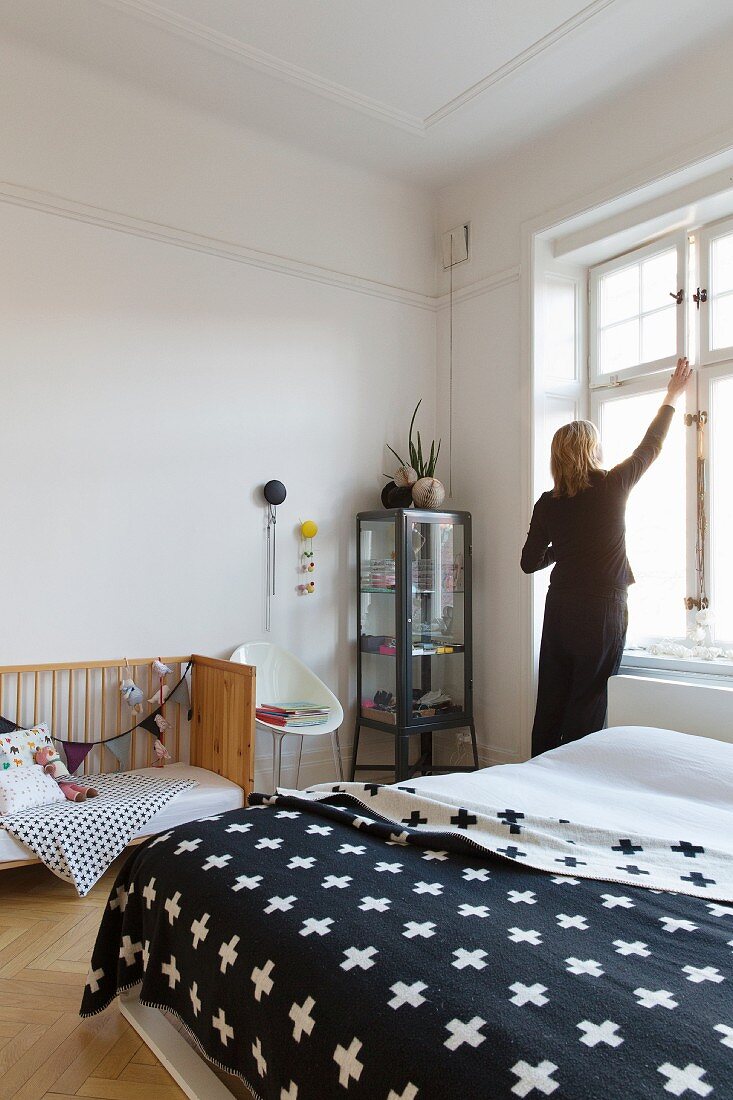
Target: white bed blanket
[(628, 778)]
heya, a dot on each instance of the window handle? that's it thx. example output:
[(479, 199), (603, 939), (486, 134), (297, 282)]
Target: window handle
[(679, 297), (701, 296)]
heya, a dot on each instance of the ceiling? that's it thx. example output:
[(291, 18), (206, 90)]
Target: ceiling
[(424, 90)]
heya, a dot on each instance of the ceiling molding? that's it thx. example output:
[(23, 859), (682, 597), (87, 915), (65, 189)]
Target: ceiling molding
[(267, 63), (523, 58), (228, 250), (276, 67)]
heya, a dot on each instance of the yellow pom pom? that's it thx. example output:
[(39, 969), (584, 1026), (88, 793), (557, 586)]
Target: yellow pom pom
[(309, 529)]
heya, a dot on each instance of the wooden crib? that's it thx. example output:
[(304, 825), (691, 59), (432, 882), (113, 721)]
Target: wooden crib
[(81, 702)]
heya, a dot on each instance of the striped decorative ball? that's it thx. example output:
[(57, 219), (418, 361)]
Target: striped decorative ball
[(405, 476), (428, 492)]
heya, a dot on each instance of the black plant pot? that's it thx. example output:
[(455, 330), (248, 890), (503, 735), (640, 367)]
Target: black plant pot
[(396, 496)]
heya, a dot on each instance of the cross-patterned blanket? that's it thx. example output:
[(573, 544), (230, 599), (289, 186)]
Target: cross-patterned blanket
[(316, 951), (79, 840)]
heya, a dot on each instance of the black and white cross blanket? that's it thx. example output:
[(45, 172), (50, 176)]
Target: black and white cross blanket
[(316, 951), (79, 840), (550, 844)]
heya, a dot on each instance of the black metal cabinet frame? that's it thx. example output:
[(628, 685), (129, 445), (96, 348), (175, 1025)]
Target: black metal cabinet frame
[(408, 723)]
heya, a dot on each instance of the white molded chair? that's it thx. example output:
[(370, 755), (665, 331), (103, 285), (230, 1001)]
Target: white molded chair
[(282, 679)]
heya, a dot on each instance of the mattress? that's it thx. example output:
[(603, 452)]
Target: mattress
[(213, 794)]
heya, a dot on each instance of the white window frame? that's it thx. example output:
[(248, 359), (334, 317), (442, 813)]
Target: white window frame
[(676, 240), (707, 377), (705, 237), (648, 383)]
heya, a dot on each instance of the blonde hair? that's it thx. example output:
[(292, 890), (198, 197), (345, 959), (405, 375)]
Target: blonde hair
[(575, 453)]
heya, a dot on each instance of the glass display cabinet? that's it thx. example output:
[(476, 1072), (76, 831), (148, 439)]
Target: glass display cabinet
[(414, 670)]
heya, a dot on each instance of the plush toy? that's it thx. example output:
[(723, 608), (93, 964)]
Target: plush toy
[(54, 766), (132, 694), (161, 754)]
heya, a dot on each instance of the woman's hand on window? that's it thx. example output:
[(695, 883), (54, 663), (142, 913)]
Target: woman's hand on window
[(678, 381)]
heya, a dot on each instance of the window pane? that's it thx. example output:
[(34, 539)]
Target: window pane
[(620, 295), (658, 281), (722, 322), (655, 517), (560, 329), (721, 542), (620, 346), (721, 262), (659, 334)]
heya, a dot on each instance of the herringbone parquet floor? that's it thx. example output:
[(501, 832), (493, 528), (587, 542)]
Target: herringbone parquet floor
[(46, 1050)]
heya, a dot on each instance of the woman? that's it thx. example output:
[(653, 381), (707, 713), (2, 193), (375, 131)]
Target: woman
[(580, 526)]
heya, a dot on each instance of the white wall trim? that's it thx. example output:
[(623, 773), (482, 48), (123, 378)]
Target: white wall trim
[(481, 286), (285, 71), (521, 59), (227, 250)]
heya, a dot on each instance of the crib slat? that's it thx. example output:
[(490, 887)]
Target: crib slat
[(178, 719), (54, 675), (149, 752), (86, 704), (133, 720), (36, 678), (70, 711), (18, 697)]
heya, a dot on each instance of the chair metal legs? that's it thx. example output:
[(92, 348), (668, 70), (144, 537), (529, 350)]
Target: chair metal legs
[(336, 748), (277, 754), (277, 745)]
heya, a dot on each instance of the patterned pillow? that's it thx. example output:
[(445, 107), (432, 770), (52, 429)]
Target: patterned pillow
[(23, 788), (17, 748)]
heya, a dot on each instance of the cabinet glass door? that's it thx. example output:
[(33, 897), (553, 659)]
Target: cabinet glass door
[(437, 580), (378, 620)]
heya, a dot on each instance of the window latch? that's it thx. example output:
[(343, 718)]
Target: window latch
[(679, 297), (701, 296)]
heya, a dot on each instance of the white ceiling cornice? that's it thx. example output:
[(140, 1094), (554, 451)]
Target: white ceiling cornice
[(267, 62), (309, 81), (522, 58)]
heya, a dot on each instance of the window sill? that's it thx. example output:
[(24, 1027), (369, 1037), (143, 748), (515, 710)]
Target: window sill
[(636, 660)]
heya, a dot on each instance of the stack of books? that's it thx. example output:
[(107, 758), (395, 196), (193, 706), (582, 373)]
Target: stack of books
[(292, 714)]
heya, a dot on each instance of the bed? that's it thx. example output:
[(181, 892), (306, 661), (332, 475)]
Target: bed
[(211, 744), (481, 935)]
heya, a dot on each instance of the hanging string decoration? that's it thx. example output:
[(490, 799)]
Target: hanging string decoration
[(308, 531), (274, 493), (155, 723)]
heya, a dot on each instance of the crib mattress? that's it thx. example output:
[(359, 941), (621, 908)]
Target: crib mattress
[(213, 794)]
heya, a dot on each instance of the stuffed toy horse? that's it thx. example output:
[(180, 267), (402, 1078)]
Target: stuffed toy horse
[(53, 765)]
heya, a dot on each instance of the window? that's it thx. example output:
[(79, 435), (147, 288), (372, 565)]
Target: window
[(679, 517), (637, 314), (655, 515)]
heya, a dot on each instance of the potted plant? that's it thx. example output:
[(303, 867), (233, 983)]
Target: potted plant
[(415, 481)]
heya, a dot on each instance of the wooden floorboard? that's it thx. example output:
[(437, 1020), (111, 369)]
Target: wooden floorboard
[(46, 1050)]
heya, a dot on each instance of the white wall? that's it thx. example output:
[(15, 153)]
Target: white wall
[(148, 390), (674, 118)]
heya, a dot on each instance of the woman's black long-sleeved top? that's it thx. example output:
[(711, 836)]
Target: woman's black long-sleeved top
[(585, 535)]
